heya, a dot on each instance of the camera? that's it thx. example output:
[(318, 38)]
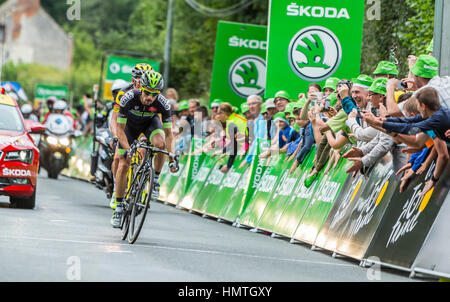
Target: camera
[(402, 85), (326, 105)]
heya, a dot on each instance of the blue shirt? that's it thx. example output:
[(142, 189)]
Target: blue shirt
[(438, 122), (289, 133)]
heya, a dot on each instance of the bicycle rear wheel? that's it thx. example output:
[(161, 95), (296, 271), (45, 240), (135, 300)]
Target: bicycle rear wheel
[(132, 185), (140, 204)]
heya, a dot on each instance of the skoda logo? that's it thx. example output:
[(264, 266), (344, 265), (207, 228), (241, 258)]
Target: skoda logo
[(314, 53), (247, 76), (114, 68)]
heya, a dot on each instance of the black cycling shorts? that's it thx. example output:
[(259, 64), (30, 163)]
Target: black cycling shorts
[(149, 129)]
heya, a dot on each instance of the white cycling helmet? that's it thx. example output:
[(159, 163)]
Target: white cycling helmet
[(119, 85), (59, 105), (26, 109)]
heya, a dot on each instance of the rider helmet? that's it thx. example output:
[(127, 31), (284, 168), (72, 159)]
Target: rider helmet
[(152, 80), (26, 109), (137, 70)]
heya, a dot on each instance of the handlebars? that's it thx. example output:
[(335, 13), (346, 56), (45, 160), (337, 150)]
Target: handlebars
[(144, 144)]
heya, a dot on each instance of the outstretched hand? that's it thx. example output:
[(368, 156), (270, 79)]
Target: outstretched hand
[(354, 152)]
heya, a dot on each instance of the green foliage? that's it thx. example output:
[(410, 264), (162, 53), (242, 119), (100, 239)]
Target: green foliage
[(140, 26)]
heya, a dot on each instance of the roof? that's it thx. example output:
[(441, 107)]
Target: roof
[(7, 100)]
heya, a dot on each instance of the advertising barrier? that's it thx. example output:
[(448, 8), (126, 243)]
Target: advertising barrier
[(364, 217), (408, 220), (225, 190), (434, 257), (298, 201), (193, 162), (198, 183), (319, 207), (264, 191), (169, 182), (212, 184), (241, 196)]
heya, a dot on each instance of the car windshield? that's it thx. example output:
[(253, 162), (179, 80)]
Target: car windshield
[(10, 118)]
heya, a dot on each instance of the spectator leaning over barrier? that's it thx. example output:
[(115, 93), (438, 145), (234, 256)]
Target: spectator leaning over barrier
[(281, 99), (193, 105), (360, 95), (286, 134), (235, 132), (425, 74), (366, 156), (184, 127), (433, 121), (306, 136), (201, 122), (256, 125), (418, 162), (271, 110)]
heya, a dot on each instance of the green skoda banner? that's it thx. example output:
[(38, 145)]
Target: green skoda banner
[(310, 41), (45, 91), (120, 68), (239, 68)]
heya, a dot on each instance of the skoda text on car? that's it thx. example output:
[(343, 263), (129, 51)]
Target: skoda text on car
[(19, 156)]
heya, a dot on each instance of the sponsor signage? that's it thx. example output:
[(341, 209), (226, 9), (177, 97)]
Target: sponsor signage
[(43, 92), (239, 68), (316, 45), (120, 68), (408, 220)]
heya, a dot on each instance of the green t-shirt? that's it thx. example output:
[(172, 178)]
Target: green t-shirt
[(337, 123)]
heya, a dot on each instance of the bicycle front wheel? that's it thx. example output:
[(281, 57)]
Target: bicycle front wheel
[(140, 205)]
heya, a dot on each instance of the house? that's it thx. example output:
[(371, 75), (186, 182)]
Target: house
[(28, 34)]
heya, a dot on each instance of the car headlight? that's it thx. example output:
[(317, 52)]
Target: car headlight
[(64, 141), (25, 156), (52, 140)]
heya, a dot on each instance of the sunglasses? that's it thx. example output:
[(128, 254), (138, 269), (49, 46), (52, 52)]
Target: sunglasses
[(152, 93)]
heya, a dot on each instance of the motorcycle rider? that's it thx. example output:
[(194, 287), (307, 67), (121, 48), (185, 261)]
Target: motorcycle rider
[(27, 112)]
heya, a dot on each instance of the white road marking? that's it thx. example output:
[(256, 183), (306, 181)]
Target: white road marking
[(177, 249)]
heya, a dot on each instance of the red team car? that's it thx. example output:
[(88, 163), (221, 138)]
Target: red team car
[(19, 156)]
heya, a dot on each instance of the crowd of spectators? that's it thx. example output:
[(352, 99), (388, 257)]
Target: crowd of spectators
[(362, 119)]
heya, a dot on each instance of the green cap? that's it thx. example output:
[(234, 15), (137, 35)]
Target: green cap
[(289, 108), (363, 81), (385, 67), (333, 99), (331, 83), (426, 67), (244, 107), (282, 94), (183, 105), (263, 108), (379, 86), (280, 116), (299, 104), (215, 103)]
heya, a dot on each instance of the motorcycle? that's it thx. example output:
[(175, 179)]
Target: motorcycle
[(55, 144), (102, 159)]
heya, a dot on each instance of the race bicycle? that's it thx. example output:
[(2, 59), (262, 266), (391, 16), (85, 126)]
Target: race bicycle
[(139, 191)]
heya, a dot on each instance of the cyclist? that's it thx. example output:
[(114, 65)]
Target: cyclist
[(139, 109), (136, 74)]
